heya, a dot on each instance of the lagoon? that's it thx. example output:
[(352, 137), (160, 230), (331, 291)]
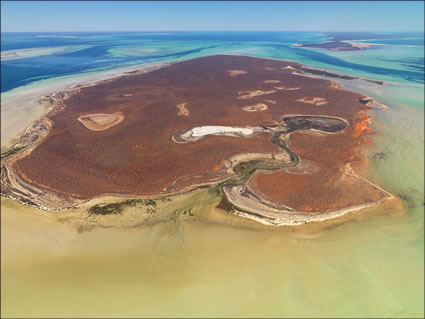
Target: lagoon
[(368, 265)]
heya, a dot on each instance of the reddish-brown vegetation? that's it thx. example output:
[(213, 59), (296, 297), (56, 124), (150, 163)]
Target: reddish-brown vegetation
[(137, 156)]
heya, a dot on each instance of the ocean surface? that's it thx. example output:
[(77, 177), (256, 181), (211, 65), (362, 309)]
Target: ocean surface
[(370, 266)]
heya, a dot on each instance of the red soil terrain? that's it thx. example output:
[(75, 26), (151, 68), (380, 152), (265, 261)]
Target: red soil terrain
[(138, 157), (326, 187)]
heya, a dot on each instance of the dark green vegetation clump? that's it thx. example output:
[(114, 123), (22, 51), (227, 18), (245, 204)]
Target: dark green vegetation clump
[(303, 122), (188, 212), (106, 209), (378, 156), (117, 208), (364, 101)]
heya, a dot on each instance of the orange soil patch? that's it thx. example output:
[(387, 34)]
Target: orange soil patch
[(182, 109), (362, 126), (100, 122)]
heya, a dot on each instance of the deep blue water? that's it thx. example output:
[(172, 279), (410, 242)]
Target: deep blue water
[(107, 50)]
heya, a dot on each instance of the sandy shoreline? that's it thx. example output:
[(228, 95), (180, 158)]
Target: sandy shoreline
[(72, 85)]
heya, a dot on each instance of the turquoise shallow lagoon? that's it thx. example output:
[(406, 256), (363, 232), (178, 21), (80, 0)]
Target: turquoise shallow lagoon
[(371, 265), (100, 51)]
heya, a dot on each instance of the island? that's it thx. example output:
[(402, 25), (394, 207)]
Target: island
[(337, 45), (277, 143), (346, 41)]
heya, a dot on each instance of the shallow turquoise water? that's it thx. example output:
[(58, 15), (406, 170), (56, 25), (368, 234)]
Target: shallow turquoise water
[(371, 267), (105, 51)]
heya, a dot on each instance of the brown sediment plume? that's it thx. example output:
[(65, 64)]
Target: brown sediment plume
[(138, 157), (182, 109)]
